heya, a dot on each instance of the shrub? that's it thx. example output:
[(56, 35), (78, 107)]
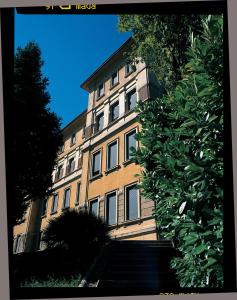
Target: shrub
[(76, 230), (182, 155)]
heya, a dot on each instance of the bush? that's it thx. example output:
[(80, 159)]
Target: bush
[(76, 231), (182, 155), (50, 267), (52, 281)]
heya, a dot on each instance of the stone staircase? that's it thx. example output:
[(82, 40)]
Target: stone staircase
[(133, 265)]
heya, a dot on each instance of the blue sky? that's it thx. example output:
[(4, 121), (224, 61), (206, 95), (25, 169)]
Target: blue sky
[(72, 46)]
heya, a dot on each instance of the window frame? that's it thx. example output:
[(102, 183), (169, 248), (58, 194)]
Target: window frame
[(98, 95), (96, 129), (17, 244), (130, 91), (73, 139), (64, 198), (107, 155), (78, 193), (45, 207), (111, 79), (58, 177), (116, 207), (129, 69), (96, 199), (127, 159), (69, 166), (61, 148), (53, 203), (138, 202), (92, 165), (115, 103), (41, 247)]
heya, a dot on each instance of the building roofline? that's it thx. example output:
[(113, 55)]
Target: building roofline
[(76, 119), (86, 83)]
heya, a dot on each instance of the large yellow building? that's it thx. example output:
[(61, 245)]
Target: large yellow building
[(93, 169)]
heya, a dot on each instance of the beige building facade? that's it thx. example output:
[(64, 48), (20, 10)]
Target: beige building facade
[(94, 170)]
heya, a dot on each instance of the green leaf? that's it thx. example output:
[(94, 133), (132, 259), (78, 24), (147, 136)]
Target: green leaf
[(210, 262), (199, 249)]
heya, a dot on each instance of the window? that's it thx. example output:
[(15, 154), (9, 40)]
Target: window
[(111, 215), (83, 131), (112, 155), (94, 207), (100, 91), (130, 142), (17, 244), (114, 111), (44, 208), (78, 193), (54, 203), (59, 173), (96, 161), (129, 68), (99, 124), (131, 195), (41, 244), (61, 148), (114, 79), (66, 200), (71, 165), (73, 139), (131, 100)]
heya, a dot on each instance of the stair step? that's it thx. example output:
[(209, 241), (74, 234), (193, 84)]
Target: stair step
[(138, 284), (145, 255), (137, 275), (136, 264), (141, 241), (138, 257), (142, 248), (138, 267)]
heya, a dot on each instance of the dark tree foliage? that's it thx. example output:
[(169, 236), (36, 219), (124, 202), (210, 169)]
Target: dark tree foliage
[(161, 41), (182, 155), (76, 230), (33, 133)]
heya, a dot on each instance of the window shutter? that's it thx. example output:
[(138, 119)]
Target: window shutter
[(67, 169), (21, 243), (14, 244), (72, 165), (126, 103), (79, 163)]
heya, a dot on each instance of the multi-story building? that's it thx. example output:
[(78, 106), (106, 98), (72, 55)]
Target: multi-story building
[(94, 169)]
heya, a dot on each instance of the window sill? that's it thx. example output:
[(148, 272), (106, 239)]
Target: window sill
[(112, 86), (65, 208), (111, 122), (130, 222), (127, 112), (66, 175), (53, 213), (71, 145), (113, 226), (100, 97), (115, 168), (129, 73), (127, 162), (97, 132), (96, 177)]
